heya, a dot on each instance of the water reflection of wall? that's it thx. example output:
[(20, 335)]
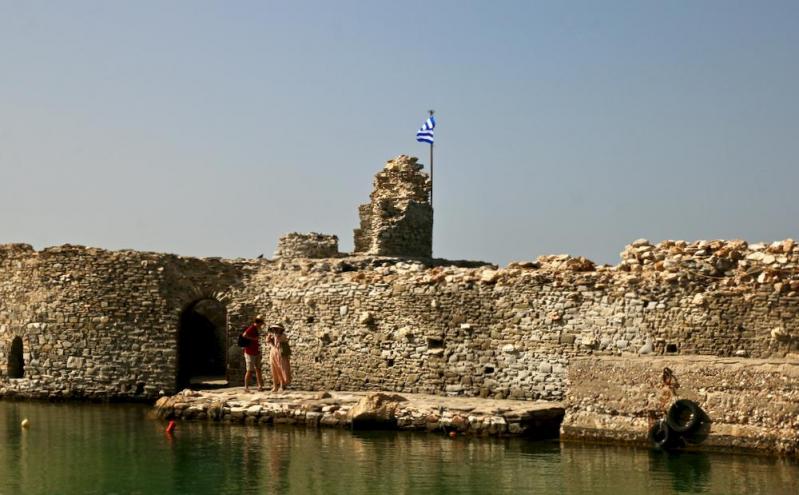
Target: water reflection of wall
[(116, 449), (608, 469), (67, 447), (331, 462)]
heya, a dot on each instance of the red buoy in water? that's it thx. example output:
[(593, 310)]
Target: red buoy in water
[(170, 426)]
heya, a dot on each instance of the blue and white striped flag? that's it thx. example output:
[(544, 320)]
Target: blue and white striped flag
[(425, 134)]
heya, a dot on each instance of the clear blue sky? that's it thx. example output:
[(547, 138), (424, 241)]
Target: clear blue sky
[(211, 128)]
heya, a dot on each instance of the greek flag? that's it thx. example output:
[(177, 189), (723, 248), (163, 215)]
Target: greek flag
[(425, 134)]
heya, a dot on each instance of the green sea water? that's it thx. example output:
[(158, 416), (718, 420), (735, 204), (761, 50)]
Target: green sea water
[(116, 449)]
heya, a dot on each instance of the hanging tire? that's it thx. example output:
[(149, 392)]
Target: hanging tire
[(684, 416), (662, 436)]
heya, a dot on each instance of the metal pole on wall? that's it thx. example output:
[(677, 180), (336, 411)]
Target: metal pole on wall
[(431, 174), (431, 166)]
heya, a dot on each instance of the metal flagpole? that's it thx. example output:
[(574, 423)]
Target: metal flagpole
[(431, 166), (431, 174)]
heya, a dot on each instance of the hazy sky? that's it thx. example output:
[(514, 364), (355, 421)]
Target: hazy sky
[(211, 128)]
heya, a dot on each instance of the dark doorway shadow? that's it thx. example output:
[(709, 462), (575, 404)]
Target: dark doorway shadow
[(16, 361), (201, 345)]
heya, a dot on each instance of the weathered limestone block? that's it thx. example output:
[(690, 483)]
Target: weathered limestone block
[(375, 409)]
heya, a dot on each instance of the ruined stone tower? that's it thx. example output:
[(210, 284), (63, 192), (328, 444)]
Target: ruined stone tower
[(398, 221)]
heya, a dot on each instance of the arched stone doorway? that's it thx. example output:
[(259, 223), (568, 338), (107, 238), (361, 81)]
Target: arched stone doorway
[(16, 361), (201, 345)]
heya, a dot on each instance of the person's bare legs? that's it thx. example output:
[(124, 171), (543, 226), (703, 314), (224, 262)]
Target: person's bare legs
[(275, 378), (247, 376), (259, 378), (280, 381)]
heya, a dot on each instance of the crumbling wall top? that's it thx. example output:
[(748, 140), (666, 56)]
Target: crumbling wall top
[(402, 179), (398, 221), (310, 245)]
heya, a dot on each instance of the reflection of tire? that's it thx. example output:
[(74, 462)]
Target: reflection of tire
[(683, 416), (662, 436)]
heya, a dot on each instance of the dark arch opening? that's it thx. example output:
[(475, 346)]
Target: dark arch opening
[(201, 345), (16, 362)]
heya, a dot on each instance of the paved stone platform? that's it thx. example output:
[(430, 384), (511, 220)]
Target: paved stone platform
[(420, 412)]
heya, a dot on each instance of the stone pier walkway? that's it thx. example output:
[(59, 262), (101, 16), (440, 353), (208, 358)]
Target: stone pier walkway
[(366, 410)]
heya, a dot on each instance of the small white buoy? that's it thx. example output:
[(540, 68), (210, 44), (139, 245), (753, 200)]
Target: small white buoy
[(25, 423)]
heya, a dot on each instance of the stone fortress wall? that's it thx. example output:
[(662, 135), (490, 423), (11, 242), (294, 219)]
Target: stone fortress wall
[(101, 324), (373, 323), (92, 323)]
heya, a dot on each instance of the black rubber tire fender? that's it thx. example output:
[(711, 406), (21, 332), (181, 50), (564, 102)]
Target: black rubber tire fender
[(684, 416), (661, 435)]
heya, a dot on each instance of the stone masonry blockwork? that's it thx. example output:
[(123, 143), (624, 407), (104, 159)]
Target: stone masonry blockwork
[(103, 324)]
